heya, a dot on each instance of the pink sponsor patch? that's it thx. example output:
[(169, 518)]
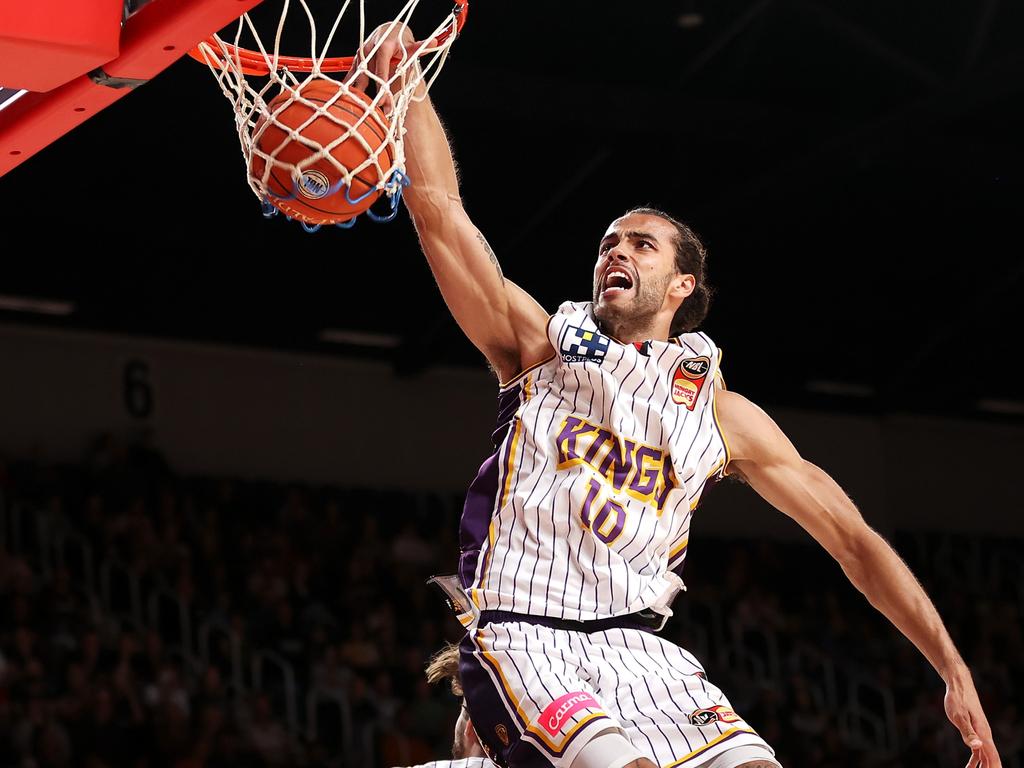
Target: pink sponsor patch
[(561, 709)]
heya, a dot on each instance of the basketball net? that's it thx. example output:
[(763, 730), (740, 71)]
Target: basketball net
[(252, 74)]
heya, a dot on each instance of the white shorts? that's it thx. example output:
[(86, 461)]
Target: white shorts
[(536, 695)]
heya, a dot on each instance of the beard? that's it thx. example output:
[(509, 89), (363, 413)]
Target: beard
[(626, 319), (458, 749)]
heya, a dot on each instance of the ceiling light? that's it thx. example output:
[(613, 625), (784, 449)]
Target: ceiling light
[(1006, 407), (359, 338), (54, 307), (841, 388)]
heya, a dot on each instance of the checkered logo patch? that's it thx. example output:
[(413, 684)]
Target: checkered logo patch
[(580, 345)]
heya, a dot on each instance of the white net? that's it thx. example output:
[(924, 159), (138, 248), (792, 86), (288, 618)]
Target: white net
[(314, 145)]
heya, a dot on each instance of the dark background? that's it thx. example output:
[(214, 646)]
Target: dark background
[(856, 171)]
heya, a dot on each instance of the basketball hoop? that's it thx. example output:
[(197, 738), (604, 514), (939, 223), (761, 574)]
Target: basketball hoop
[(316, 148)]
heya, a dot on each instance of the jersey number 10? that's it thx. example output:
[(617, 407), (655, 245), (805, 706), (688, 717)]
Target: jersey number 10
[(602, 516)]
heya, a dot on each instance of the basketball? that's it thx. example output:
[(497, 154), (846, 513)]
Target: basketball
[(320, 197)]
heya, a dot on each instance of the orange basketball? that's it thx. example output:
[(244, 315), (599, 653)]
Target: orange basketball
[(319, 198)]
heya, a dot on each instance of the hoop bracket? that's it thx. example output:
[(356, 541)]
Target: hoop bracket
[(100, 77)]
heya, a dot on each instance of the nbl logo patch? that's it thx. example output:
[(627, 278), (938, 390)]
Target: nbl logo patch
[(688, 381), (580, 345)]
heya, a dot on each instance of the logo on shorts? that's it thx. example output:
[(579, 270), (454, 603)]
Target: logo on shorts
[(688, 381), (564, 707), (502, 733), (711, 715), (582, 346)]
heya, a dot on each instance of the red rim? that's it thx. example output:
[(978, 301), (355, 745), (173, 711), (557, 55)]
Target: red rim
[(253, 63)]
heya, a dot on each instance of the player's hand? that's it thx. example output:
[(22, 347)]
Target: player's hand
[(387, 46), (963, 708)]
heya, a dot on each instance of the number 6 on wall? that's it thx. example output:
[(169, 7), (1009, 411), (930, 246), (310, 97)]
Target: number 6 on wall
[(137, 392)]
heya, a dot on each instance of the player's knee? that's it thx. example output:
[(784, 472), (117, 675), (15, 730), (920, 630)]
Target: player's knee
[(610, 749)]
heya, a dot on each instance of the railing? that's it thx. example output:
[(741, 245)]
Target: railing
[(114, 574), (265, 660), (180, 617), (205, 636), (317, 699), (860, 723), (66, 545)]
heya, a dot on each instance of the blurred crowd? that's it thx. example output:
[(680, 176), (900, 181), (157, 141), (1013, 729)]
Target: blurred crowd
[(210, 621)]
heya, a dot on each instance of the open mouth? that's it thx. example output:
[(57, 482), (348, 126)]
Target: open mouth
[(616, 281)]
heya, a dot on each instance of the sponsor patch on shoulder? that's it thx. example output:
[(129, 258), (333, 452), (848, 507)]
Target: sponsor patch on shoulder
[(688, 381), (581, 345)]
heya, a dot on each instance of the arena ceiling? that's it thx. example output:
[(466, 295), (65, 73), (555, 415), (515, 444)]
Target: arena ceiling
[(857, 171)]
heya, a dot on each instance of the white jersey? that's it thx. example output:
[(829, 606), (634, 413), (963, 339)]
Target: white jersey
[(465, 762), (602, 454)]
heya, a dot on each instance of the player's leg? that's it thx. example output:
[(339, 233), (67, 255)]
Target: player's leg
[(611, 749), (750, 756), (662, 699)]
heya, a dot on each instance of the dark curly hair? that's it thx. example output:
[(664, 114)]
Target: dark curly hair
[(691, 259)]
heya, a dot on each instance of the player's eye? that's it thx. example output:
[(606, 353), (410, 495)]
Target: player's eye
[(645, 244)]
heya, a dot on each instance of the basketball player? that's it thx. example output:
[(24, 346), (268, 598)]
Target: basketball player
[(466, 750), (613, 422)]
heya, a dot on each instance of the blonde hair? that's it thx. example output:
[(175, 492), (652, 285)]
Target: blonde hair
[(444, 665)]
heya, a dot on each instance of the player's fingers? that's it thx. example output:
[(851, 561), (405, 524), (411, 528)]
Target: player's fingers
[(380, 65), (381, 68), (357, 77), (357, 74), (962, 721), (990, 757)]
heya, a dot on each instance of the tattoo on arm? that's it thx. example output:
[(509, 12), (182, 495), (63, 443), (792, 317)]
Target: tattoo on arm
[(490, 254)]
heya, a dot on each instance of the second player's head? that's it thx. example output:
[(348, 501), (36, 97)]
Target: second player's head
[(650, 274), (445, 666)]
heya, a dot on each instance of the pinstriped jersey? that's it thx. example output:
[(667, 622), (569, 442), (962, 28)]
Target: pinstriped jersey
[(602, 454)]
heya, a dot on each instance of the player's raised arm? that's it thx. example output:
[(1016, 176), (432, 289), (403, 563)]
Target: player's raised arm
[(766, 459), (501, 319)]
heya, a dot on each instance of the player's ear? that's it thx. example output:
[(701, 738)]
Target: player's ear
[(682, 286)]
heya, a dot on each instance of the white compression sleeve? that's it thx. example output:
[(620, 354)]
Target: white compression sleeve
[(608, 750)]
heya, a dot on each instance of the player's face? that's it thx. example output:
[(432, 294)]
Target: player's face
[(635, 264)]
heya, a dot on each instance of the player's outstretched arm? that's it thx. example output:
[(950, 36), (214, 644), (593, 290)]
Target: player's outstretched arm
[(499, 317), (767, 460)]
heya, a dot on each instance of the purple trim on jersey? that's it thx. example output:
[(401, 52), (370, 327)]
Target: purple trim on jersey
[(677, 569), (476, 517), (489, 707), (702, 752), (558, 753), (487, 711), (482, 494)]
